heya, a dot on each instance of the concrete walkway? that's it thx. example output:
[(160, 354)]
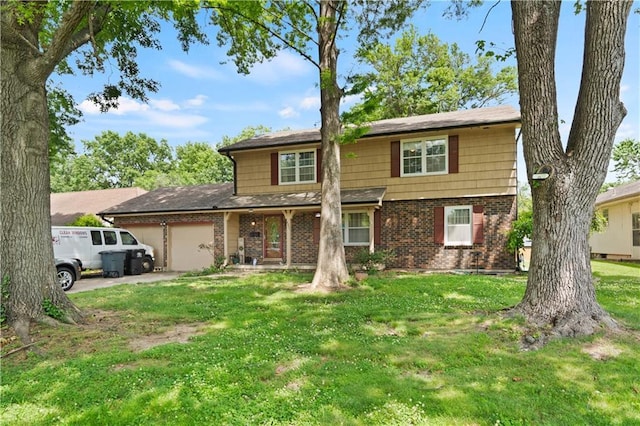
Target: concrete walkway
[(92, 282)]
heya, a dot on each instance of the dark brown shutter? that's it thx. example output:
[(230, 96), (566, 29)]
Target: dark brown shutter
[(478, 225), (395, 159), (274, 168), (316, 230), (377, 227), (438, 225), (319, 165), (453, 154)]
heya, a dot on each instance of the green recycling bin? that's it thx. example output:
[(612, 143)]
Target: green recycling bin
[(113, 263)]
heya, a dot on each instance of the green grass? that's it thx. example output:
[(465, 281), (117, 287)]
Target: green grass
[(398, 350)]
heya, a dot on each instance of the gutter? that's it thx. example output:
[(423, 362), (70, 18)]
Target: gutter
[(235, 167)]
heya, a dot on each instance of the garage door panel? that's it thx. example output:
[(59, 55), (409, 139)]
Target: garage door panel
[(184, 251), (152, 236)]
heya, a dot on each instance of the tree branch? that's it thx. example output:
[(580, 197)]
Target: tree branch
[(70, 35)]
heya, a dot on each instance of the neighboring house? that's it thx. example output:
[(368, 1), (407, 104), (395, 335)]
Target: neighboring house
[(438, 189), (68, 206), (621, 238)]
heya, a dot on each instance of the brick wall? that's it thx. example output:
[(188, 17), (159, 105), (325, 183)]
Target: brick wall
[(406, 227)]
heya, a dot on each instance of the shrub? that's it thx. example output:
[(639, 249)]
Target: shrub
[(86, 220)]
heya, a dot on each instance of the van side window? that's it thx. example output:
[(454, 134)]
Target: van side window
[(128, 239), (110, 238), (96, 238)]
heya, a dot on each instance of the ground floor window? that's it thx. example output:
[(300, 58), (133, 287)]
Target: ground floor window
[(635, 227), (458, 226), (355, 228)]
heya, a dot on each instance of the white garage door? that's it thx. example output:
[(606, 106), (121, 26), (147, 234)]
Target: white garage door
[(184, 251), (150, 235)]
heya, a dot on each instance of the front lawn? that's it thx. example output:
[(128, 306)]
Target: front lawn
[(398, 350)]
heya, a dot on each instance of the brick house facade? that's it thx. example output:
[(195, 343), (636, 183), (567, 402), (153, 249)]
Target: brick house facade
[(439, 190)]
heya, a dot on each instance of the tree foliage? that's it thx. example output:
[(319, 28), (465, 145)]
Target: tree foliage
[(39, 38), (626, 158), (421, 75), (86, 220)]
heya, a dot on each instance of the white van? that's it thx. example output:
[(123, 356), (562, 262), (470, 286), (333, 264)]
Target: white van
[(85, 244)]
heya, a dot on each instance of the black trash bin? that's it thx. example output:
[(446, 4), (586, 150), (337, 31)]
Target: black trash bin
[(113, 263), (133, 262)]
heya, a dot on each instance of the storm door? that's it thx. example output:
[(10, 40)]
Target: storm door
[(273, 237)]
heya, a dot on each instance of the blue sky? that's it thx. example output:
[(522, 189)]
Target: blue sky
[(202, 100)]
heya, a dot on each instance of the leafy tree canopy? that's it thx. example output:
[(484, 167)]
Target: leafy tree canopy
[(421, 75), (626, 158)]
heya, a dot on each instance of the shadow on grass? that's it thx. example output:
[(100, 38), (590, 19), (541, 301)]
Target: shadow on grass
[(398, 350)]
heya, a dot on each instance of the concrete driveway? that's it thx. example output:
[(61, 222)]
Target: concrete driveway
[(92, 282)]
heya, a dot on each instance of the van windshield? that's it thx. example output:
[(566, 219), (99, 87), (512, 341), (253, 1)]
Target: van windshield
[(128, 239)]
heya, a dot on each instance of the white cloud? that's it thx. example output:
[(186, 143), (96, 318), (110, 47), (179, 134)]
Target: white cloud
[(164, 104), (159, 112), (281, 68), (125, 106), (248, 107), (194, 71), (288, 112), (310, 102), (196, 102)]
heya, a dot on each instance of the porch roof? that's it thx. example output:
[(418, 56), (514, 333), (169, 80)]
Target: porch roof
[(301, 199), (219, 197)]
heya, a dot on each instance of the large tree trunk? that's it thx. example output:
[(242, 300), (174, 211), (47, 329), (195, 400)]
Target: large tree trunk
[(331, 271), (560, 291), (27, 267)]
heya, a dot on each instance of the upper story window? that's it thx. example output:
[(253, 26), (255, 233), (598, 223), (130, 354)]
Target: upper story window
[(297, 167), (424, 156)]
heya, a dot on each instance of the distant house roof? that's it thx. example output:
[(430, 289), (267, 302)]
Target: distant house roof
[(68, 206), (220, 196), (418, 123), (619, 193)]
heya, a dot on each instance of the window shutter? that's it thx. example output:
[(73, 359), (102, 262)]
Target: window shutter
[(453, 154), (274, 168), (438, 225), (316, 230), (319, 165), (395, 159), (478, 225), (377, 227)]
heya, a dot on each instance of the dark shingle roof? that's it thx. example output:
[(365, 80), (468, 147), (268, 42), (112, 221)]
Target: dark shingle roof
[(619, 193), (175, 199), (301, 199), (218, 197), (418, 123)]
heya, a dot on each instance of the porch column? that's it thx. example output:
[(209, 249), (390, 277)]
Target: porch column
[(227, 215), (288, 216), (370, 212)]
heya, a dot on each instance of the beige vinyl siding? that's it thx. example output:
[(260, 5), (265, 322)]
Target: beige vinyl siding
[(487, 166), (617, 238)]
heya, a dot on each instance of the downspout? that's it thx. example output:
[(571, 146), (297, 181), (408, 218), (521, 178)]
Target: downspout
[(105, 219), (235, 165)]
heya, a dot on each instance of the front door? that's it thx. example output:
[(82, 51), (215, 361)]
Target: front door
[(273, 237)]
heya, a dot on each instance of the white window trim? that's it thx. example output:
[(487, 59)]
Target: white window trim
[(346, 233), (297, 167), (447, 242), (424, 155)]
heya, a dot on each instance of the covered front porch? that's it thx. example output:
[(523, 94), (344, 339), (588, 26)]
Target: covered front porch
[(281, 231)]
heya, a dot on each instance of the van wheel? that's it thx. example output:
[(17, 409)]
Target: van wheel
[(147, 264), (66, 278)]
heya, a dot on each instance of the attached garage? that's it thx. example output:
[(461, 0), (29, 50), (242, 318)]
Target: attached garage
[(183, 244), (150, 234)]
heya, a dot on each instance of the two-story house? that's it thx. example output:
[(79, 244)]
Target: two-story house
[(438, 189)]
